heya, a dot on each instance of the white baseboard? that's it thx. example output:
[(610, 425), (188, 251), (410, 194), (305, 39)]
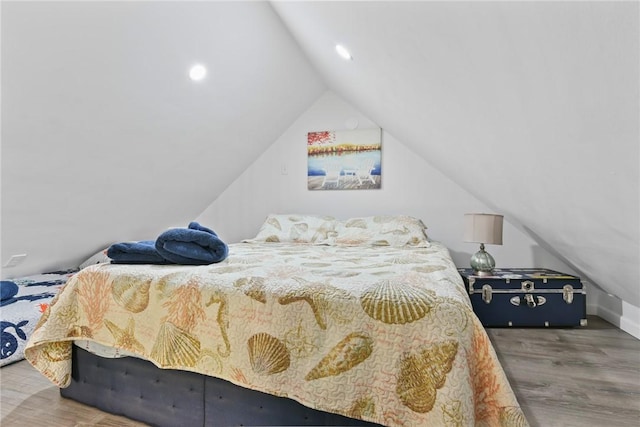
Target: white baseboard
[(623, 322), (615, 311)]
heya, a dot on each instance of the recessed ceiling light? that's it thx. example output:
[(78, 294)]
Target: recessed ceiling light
[(343, 52), (197, 72)]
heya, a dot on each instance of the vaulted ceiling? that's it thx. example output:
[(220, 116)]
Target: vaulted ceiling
[(530, 106), (105, 138)]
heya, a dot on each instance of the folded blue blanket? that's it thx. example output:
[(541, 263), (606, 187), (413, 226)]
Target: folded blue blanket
[(196, 245), (7, 289), (143, 252)]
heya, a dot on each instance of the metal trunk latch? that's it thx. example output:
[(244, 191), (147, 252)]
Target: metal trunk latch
[(486, 293), (531, 300), (528, 286), (567, 294)]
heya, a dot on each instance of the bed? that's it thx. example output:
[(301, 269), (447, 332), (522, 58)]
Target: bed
[(364, 318)]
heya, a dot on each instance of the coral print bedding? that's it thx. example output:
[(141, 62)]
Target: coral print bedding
[(379, 333)]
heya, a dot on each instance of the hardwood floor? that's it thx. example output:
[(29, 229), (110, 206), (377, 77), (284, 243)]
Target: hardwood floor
[(573, 377), (562, 377)]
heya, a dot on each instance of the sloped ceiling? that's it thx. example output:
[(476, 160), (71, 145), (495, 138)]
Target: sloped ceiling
[(104, 138), (530, 106)]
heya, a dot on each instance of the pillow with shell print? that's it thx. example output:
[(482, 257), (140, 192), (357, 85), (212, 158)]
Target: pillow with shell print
[(382, 230), (292, 228)]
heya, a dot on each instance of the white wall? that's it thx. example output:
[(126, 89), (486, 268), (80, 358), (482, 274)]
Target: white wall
[(409, 186), (105, 138)]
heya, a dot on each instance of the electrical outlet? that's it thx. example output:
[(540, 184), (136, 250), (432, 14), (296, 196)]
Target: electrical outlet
[(15, 260)]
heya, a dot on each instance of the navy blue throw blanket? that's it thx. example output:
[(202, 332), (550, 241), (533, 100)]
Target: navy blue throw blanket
[(7, 289), (196, 245), (143, 252)]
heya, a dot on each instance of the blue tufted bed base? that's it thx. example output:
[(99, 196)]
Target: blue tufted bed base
[(137, 389)]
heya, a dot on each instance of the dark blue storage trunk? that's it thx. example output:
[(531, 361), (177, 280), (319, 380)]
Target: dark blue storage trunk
[(527, 297)]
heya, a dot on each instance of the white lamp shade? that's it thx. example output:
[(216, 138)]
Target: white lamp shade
[(483, 228)]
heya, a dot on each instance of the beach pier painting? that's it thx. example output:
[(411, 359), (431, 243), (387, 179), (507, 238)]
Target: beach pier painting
[(344, 160)]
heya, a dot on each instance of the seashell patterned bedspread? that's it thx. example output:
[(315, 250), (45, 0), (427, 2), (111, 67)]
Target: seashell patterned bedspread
[(377, 333)]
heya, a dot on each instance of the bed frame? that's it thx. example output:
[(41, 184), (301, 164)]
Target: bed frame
[(139, 390)]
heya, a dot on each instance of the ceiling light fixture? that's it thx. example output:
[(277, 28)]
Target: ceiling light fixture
[(343, 52), (197, 72)]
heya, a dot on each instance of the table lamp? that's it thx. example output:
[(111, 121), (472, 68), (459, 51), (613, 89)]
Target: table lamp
[(484, 229)]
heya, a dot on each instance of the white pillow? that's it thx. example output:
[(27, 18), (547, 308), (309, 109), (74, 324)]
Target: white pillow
[(382, 230), (293, 228)]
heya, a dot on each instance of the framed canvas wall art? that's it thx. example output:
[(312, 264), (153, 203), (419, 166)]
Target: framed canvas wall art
[(344, 160)]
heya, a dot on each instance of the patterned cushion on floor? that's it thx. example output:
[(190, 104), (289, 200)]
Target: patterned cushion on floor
[(20, 312)]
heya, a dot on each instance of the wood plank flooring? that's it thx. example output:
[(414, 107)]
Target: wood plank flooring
[(573, 377), (570, 377)]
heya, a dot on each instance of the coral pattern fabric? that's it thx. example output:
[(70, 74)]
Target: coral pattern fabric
[(376, 333)]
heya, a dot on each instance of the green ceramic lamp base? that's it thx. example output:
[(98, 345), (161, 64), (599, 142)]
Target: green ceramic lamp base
[(482, 262)]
